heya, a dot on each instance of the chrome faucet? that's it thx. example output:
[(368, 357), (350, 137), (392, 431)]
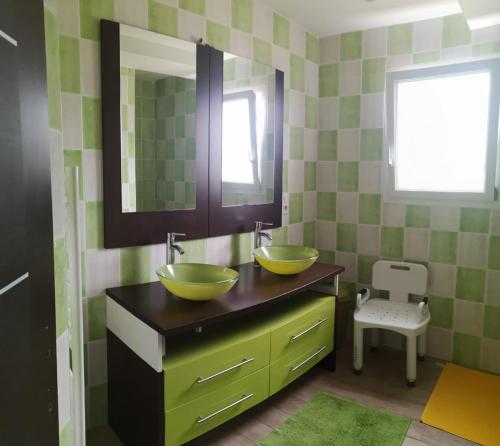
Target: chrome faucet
[(172, 246), (258, 234)]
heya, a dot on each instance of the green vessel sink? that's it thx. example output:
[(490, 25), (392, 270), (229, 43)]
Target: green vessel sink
[(197, 281), (286, 259)]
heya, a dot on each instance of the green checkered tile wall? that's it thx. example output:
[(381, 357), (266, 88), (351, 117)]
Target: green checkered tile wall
[(460, 246)]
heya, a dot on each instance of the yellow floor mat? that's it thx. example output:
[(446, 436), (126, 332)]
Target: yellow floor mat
[(466, 403)]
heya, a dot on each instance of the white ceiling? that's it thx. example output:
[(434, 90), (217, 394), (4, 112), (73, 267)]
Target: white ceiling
[(329, 17)]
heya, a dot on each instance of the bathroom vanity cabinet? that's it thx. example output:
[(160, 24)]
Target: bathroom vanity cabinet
[(177, 369)]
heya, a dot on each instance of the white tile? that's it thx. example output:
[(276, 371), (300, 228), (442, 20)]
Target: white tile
[(483, 35), (281, 61), (57, 180), (92, 169), (219, 11), (262, 21), (326, 176), (68, 17), (403, 60), (350, 78), (490, 355), (297, 108), (310, 200), (191, 27), (445, 218), (103, 270), (408, 441), (442, 279), (416, 244), (427, 35), (375, 43), (63, 380), (348, 145), (369, 240), (372, 111), (347, 207), (369, 177), (349, 261), (468, 317), (439, 343), (97, 360), (493, 288), (472, 249), (296, 234), (328, 113), (295, 176), (456, 52), (158, 258), (241, 43), (329, 49), (90, 68), (297, 40), (286, 141), (326, 235), (393, 214), (71, 120), (132, 12)]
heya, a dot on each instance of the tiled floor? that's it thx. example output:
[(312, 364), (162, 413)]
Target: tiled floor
[(382, 385)]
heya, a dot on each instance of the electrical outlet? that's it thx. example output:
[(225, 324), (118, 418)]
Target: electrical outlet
[(284, 209)]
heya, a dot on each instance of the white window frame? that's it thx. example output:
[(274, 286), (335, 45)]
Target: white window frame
[(493, 159)]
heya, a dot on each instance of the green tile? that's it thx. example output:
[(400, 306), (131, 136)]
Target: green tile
[(329, 80), (455, 31), (242, 15), (196, 6), (351, 45), (312, 48), (53, 69), (371, 144), (219, 36), (311, 112), (179, 170), (400, 39), (443, 247), (73, 158), (180, 126), (241, 248), (91, 12), (327, 145), (296, 205), (486, 49), (61, 285), (327, 206), (309, 234), (195, 251), (441, 309), (297, 73), (470, 284), (474, 220), (281, 31), (391, 243), (373, 75), (162, 18), (262, 51), (69, 50), (309, 176), (66, 435), (427, 57), (92, 124), (494, 254), (347, 180), (365, 268), (466, 350), (296, 143), (491, 326), (98, 405), (285, 175), (327, 257), (418, 216), (96, 315), (280, 235), (94, 226), (135, 265), (349, 112), (369, 208), (347, 237)]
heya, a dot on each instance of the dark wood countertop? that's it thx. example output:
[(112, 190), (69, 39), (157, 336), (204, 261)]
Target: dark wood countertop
[(255, 289)]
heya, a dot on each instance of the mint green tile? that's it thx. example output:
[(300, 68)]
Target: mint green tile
[(470, 284), (494, 253), (180, 126), (219, 36), (281, 31), (491, 326), (98, 405), (73, 158), (369, 209), (347, 180), (311, 117), (162, 18), (61, 285), (92, 123), (296, 205), (66, 435), (427, 57), (280, 236), (296, 143), (365, 268), (418, 216), (347, 237), (309, 234), (94, 224), (69, 50), (242, 15), (373, 75), (466, 350), (349, 112), (196, 6), (91, 13), (96, 316), (312, 48), (262, 51), (195, 251), (327, 257), (327, 145), (309, 176), (326, 206), (329, 80), (371, 144), (391, 243), (443, 247), (474, 220), (441, 309), (230, 70), (297, 73), (486, 49), (135, 265), (351, 45), (241, 248), (456, 32), (53, 69), (400, 38)]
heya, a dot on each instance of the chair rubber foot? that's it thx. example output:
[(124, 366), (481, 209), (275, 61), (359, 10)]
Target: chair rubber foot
[(357, 372), (410, 383), (421, 358), (374, 349)]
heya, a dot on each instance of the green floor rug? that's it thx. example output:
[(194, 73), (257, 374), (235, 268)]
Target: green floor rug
[(329, 421)]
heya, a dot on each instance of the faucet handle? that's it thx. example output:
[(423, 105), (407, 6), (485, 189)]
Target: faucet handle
[(175, 234), (259, 224)]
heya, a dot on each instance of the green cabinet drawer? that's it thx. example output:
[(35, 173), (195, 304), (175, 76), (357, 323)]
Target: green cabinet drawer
[(290, 367), (203, 414), (303, 327), (206, 365)]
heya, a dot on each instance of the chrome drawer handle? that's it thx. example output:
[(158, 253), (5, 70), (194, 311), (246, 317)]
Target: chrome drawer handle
[(305, 361), (215, 375), (307, 330), (243, 398)]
